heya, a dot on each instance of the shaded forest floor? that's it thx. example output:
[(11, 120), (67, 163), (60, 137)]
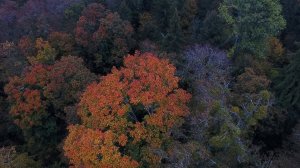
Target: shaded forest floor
[(289, 157)]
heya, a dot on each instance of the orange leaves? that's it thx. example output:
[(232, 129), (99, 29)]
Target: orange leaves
[(26, 96), (139, 103), (89, 19), (37, 75), (122, 140), (92, 148), (57, 85), (26, 45), (103, 101), (144, 80), (138, 133), (82, 145), (32, 100), (153, 79)]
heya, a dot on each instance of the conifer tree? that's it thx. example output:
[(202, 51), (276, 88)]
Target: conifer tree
[(174, 38), (289, 87)]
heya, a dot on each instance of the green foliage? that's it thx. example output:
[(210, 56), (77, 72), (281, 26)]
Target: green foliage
[(124, 11), (11, 61), (225, 137), (174, 38), (212, 29), (187, 16), (289, 85), (9, 158), (233, 105), (38, 99), (252, 23), (74, 11)]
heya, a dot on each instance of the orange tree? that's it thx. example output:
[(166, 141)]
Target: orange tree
[(127, 118), (38, 99)]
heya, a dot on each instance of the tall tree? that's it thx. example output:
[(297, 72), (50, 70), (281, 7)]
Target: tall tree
[(38, 99), (289, 85), (129, 115), (174, 38), (187, 15), (252, 23)]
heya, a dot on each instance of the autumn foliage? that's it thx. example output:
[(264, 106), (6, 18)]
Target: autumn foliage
[(104, 35), (42, 86), (131, 110)]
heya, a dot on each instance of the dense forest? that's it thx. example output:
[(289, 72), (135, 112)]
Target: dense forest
[(149, 83)]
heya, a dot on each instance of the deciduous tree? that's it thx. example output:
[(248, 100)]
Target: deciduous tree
[(252, 24), (105, 36), (38, 99), (136, 107)]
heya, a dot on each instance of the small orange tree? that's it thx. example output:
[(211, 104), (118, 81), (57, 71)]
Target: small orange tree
[(127, 118), (40, 99)]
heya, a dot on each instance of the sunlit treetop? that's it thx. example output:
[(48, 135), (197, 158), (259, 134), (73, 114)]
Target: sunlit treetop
[(144, 81), (93, 148), (137, 104)]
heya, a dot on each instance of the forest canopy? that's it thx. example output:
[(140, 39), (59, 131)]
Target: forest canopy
[(149, 83)]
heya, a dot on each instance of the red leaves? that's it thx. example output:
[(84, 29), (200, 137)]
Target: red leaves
[(25, 94), (141, 102), (37, 75), (26, 46), (105, 37), (122, 139), (88, 21), (41, 85)]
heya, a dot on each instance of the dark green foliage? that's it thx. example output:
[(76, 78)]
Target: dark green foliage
[(213, 30), (289, 87), (225, 138), (10, 158), (291, 11), (173, 40)]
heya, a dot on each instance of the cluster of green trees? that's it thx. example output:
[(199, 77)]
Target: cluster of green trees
[(64, 73)]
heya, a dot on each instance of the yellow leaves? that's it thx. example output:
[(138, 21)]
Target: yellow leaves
[(45, 53)]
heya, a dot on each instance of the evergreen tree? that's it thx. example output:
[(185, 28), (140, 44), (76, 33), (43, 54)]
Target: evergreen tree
[(187, 15), (124, 10), (161, 13), (289, 87), (173, 41)]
